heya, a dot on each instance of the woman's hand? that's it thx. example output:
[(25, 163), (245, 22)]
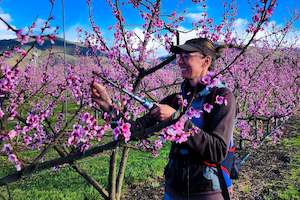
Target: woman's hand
[(163, 112), (101, 97)]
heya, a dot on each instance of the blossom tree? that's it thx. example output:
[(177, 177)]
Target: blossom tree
[(34, 114)]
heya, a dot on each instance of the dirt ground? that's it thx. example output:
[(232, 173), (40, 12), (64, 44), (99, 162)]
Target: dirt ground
[(267, 165)]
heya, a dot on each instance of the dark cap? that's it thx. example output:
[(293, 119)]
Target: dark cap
[(201, 45)]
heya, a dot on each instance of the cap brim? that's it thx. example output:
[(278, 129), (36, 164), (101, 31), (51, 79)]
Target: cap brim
[(183, 48)]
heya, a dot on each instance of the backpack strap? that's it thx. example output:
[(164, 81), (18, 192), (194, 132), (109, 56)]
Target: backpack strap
[(224, 189)]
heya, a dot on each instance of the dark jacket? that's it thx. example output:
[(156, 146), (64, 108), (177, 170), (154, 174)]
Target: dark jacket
[(185, 172)]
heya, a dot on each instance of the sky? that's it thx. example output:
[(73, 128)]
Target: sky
[(21, 13)]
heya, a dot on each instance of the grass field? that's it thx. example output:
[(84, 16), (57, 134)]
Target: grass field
[(68, 185), (142, 168), (292, 180)]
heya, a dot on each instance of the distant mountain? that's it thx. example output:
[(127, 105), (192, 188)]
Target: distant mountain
[(72, 48)]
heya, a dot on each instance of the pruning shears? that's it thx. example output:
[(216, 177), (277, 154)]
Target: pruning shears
[(146, 103)]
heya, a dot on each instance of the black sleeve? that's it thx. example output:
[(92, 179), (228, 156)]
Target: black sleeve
[(139, 125), (211, 145)]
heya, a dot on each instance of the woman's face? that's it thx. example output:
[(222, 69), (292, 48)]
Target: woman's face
[(193, 65)]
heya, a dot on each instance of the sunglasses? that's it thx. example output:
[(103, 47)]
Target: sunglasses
[(186, 56)]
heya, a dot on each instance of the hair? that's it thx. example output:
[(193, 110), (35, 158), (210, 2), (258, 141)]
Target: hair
[(208, 48)]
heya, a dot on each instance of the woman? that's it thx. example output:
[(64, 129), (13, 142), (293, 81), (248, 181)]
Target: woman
[(192, 171)]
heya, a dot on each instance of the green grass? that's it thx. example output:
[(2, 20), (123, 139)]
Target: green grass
[(292, 191), (67, 184)]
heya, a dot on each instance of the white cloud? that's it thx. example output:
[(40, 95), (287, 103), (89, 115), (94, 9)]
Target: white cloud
[(6, 17), (72, 33), (240, 26), (194, 16), (239, 30), (152, 44), (4, 32), (159, 48), (185, 34), (39, 24)]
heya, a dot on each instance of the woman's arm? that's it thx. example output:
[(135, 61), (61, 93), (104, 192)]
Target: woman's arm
[(151, 118)]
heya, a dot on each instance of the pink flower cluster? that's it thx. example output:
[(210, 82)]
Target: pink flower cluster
[(178, 132), (193, 113), (82, 135), (12, 109), (153, 147), (20, 51), (181, 101), (221, 100), (33, 133), (22, 38), (244, 128), (135, 2), (74, 82), (207, 107), (209, 81), (40, 39), (7, 148), (7, 54), (10, 80), (122, 131), (276, 135)]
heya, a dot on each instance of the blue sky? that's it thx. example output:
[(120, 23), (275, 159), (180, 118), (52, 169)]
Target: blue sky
[(21, 13)]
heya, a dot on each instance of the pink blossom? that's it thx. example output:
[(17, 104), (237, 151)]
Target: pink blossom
[(71, 140), (214, 83), (219, 100), (19, 33), (178, 126), (7, 54), (158, 144), (106, 116), (52, 38), (27, 140), (7, 148), (33, 120), (40, 39), (12, 134), (255, 18), (99, 132), (84, 147), (23, 39), (194, 113), (13, 158), (206, 80), (125, 127), (127, 115), (182, 102), (127, 136), (270, 11), (181, 138), (18, 166), (207, 107), (22, 52), (116, 133), (1, 113)]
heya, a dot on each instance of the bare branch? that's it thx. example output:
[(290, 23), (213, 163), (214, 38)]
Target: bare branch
[(124, 35)]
